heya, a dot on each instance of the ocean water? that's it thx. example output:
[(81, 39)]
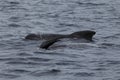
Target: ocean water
[(70, 60)]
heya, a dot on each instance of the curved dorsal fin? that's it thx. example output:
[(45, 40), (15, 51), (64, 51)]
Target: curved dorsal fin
[(87, 34)]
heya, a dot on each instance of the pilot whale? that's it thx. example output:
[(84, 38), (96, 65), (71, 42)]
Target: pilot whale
[(87, 34), (52, 38)]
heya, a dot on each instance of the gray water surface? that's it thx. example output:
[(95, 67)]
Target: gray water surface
[(70, 60)]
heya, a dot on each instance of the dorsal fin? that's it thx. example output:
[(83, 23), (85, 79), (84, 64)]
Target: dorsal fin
[(87, 34)]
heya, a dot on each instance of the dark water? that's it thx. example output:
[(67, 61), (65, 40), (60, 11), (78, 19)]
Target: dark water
[(71, 60)]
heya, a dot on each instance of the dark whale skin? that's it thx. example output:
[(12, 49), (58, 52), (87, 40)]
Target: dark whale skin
[(87, 34), (52, 38), (48, 43)]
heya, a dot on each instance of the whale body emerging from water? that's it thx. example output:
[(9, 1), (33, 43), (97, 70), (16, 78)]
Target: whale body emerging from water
[(52, 38)]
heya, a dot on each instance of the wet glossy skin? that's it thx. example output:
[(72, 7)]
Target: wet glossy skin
[(87, 34), (52, 38)]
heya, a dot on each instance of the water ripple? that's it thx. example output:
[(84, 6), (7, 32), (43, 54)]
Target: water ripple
[(91, 4), (9, 76), (17, 71), (12, 59), (37, 59), (84, 74), (51, 72)]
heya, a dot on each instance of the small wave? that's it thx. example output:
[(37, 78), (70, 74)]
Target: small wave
[(24, 54), (64, 63), (22, 63), (100, 69), (9, 76), (52, 53), (37, 59), (15, 19), (112, 37), (68, 24), (12, 59), (84, 74), (91, 4), (11, 6), (51, 72), (14, 3), (109, 45), (17, 71), (14, 25), (113, 62)]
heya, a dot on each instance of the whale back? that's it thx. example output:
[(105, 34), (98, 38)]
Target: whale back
[(52, 36), (44, 36), (32, 37)]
